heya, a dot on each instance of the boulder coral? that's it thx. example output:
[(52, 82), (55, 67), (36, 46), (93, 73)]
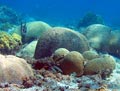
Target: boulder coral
[(14, 69), (60, 37), (7, 43), (114, 43), (89, 55), (73, 62), (59, 54), (103, 65), (98, 36), (35, 29)]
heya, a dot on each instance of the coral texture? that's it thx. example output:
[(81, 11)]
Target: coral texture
[(60, 37)]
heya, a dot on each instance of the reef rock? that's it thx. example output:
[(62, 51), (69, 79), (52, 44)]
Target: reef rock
[(14, 69), (60, 37)]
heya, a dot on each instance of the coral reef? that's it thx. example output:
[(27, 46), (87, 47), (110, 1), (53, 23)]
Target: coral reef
[(14, 69), (89, 19), (60, 37), (7, 43), (72, 62), (98, 36), (103, 66)]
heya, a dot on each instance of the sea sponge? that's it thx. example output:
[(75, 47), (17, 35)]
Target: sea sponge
[(60, 37), (59, 54), (114, 43), (103, 66), (89, 55), (73, 62), (98, 36), (14, 69), (7, 43)]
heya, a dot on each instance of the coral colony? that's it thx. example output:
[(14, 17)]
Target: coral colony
[(35, 56)]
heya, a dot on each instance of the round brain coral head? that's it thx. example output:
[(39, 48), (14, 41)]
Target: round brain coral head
[(89, 55), (59, 54), (103, 65), (73, 62), (14, 69)]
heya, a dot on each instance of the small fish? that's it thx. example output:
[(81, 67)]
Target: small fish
[(23, 28)]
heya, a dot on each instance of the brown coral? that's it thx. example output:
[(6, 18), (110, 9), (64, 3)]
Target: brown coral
[(73, 62), (60, 37)]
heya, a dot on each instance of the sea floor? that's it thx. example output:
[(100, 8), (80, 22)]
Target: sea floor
[(47, 80)]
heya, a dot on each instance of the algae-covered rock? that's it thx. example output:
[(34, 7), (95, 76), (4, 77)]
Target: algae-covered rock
[(103, 65), (59, 54), (28, 50), (60, 37), (73, 62), (14, 69), (7, 43), (98, 36)]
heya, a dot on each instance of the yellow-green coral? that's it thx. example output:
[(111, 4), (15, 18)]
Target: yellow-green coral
[(7, 42), (103, 65), (17, 38)]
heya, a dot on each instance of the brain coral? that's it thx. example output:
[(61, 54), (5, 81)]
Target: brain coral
[(89, 55), (103, 65), (7, 43), (60, 37), (59, 53), (13, 69), (98, 36), (73, 62)]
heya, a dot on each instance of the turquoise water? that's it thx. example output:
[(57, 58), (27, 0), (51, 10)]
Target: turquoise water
[(66, 11)]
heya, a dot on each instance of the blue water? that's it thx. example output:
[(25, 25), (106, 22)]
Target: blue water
[(66, 11)]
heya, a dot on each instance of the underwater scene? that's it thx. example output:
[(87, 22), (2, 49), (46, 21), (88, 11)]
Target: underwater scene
[(59, 45)]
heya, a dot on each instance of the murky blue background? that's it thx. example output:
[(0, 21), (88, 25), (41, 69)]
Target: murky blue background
[(66, 11)]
